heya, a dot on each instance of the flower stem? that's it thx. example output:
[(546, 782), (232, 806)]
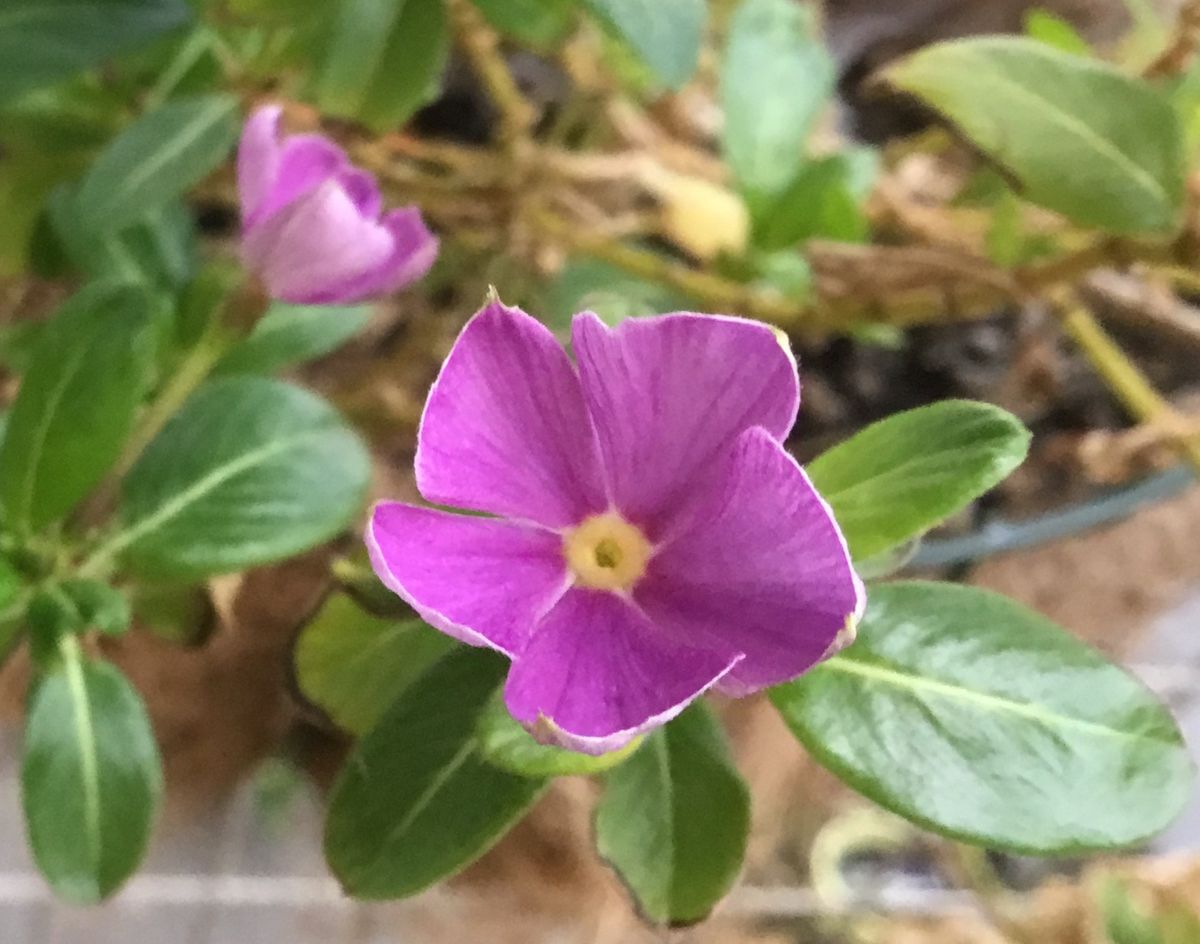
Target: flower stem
[(1124, 378)]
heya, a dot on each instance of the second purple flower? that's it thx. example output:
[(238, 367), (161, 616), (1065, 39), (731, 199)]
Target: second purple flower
[(312, 223)]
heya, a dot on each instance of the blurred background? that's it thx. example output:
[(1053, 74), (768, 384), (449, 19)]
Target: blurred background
[(1098, 531)]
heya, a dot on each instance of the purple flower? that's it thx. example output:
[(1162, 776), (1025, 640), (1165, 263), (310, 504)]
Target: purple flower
[(653, 536), (311, 224)]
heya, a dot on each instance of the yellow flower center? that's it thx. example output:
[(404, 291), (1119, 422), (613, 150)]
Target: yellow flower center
[(606, 552)]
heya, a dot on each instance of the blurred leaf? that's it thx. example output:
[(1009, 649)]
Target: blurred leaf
[(155, 160), (1124, 922), (776, 79), (537, 23), (76, 405), (612, 293), (249, 471), (42, 41), (415, 802), (158, 250), (674, 819), (292, 334), (825, 201), (979, 719), (786, 272), (385, 60), (510, 747), (901, 476), (76, 606), (1098, 146), (1186, 99), (354, 665), (1053, 30), (10, 580), (665, 34), (90, 778)]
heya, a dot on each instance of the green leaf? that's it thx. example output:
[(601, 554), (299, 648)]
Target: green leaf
[(1053, 30), (10, 580), (776, 78), (509, 746), (354, 665), (90, 779), (155, 160), (665, 34), (158, 250), (249, 471), (416, 802), (293, 334), (674, 819), (1124, 921), (537, 23), (1100, 147), (76, 404), (825, 201), (42, 41), (979, 719), (385, 60), (901, 476), (612, 293)]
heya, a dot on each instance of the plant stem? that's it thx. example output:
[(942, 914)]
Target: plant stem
[(1123, 377)]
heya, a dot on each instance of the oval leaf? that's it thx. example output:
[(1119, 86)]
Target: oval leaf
[(776, 78), (1082, 138), (538, 23), (249, 471), (901, 476), (292, 334), (42, 41), (665, 34), (90, 779), (509, 746), (385, 60), (674, 819), (355, 665), (76, 404), (974, 717), (416, 802), (155, 160)]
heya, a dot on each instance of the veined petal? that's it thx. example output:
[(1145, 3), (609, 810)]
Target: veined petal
[(668, 395), (597, 673), (258, 157), (314, 245), (505, 429), (483, 581), (762, 569), (414, 250)]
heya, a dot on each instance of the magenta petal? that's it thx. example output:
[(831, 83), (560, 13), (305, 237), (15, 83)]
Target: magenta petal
[(258, 157), (505, 430), (414, 250), (363, 191), (319, 242), (597, 673), (668, 395), (762, 569), (482, 581), (306, 162)]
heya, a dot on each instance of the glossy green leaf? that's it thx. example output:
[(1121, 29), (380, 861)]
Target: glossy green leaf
[(665, 34), (977, 718), (355, 665), (90, 778), (416, 802), (509, 746), (43, 41), (385, 60), (76, 405), (776, 79), (538, 23), (1098, 146), (292, 334), (249, 471), (674, 820), (155, 160), (901, 476)]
